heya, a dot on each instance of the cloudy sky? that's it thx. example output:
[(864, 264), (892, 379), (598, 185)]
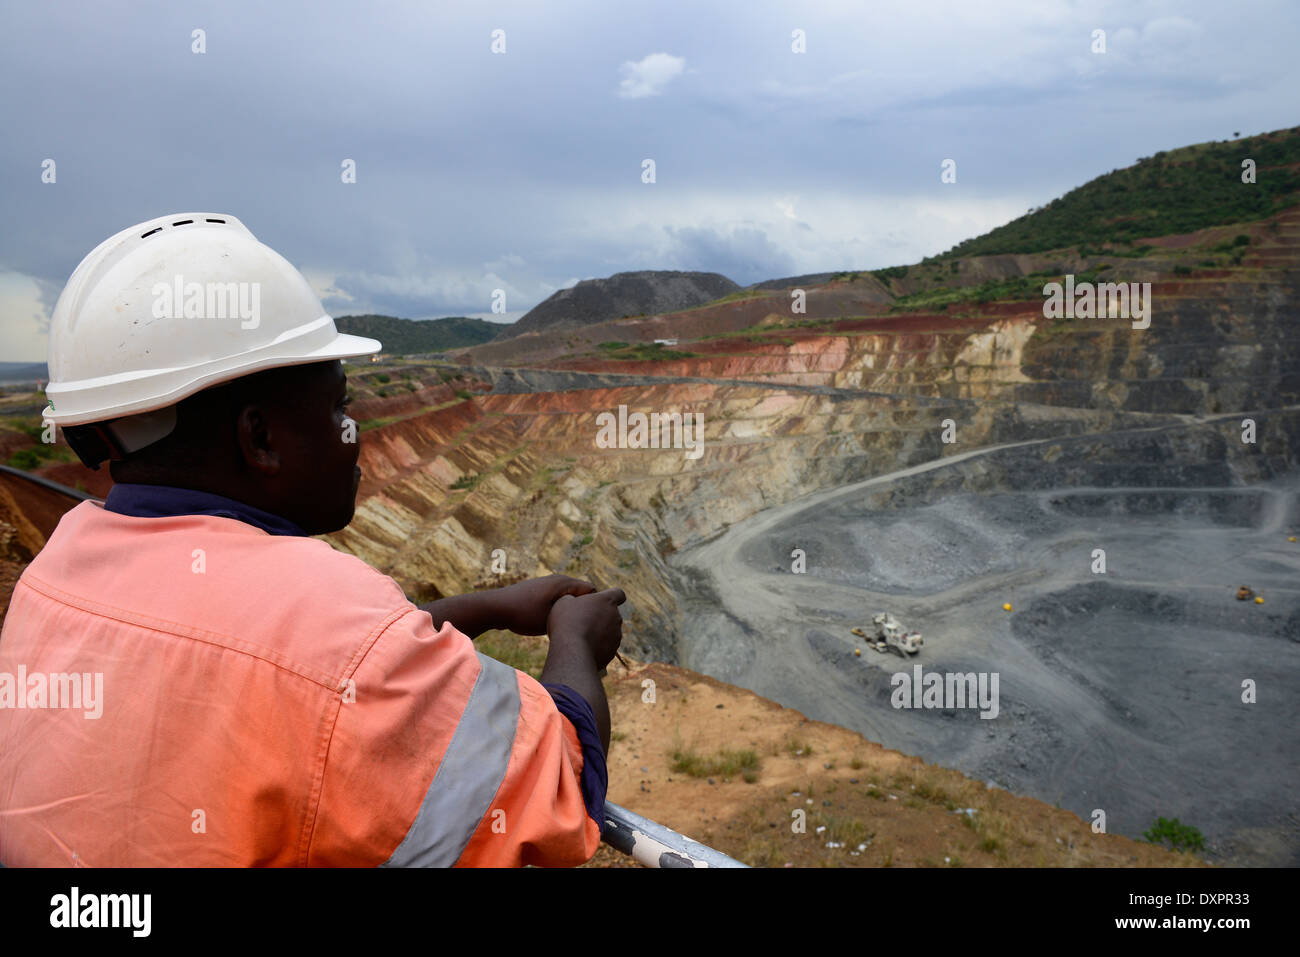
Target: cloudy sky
[(522, 170)]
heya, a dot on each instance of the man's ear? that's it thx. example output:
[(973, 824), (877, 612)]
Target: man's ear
[(253, 433)]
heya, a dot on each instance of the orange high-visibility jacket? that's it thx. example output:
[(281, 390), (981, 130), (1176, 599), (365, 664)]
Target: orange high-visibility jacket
[(190, 690)]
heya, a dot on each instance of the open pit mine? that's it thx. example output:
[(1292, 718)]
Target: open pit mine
[(1065, 507)]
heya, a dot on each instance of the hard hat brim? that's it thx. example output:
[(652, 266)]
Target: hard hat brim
[(181, 383)]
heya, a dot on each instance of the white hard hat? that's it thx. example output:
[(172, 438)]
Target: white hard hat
[(170, 307)]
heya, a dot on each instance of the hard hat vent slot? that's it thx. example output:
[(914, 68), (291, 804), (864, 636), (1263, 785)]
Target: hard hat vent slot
[(156, 229), (214, 220), (183, 222)]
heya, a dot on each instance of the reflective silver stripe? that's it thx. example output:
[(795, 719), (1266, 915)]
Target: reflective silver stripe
[(470, 774)]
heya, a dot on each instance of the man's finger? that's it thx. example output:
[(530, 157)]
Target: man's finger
[(615, 595)]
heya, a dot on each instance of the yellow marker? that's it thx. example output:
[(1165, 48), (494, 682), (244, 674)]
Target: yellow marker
[(1007, 606), (1291, 538), (857, 652), (1259, 600)]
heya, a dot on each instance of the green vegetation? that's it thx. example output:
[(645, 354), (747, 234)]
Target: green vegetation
[(467, 481), (1128, 251), (884, 275), (464, 394), (1232, 245), (1174, 834), (723, 764), (1179, 191), (383, 378), (39, 454), (525, 654), (1017, 287), (737, 295), (643, 351), (26, 459), (847, 831), (893, 272), (407, 336)]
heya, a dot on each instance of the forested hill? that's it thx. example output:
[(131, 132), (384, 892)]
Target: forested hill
[(410, 336), (1175, 191)]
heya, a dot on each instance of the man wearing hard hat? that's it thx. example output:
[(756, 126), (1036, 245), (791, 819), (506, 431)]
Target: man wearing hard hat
[(188, 678)]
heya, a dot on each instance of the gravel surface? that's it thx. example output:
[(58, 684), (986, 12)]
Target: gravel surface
[(1119, 691)]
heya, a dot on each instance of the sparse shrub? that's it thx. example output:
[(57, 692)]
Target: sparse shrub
[(383, 378), (37, 455), (1175, 835), (847, 831), (24, 459), (724, 764)]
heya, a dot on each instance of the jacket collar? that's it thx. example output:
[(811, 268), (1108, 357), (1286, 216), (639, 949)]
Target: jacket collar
[(163, 501)]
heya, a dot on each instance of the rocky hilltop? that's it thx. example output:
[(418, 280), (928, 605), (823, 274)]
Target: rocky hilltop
[(623, 294)]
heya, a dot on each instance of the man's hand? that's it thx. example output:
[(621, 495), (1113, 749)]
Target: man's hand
[(592, 623), (526, 606), (585, 634)]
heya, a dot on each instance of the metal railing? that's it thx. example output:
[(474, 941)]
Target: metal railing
[(654, 845), (46, 483)]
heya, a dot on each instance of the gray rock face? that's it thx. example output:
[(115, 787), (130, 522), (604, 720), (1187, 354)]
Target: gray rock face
[(623, 294)]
